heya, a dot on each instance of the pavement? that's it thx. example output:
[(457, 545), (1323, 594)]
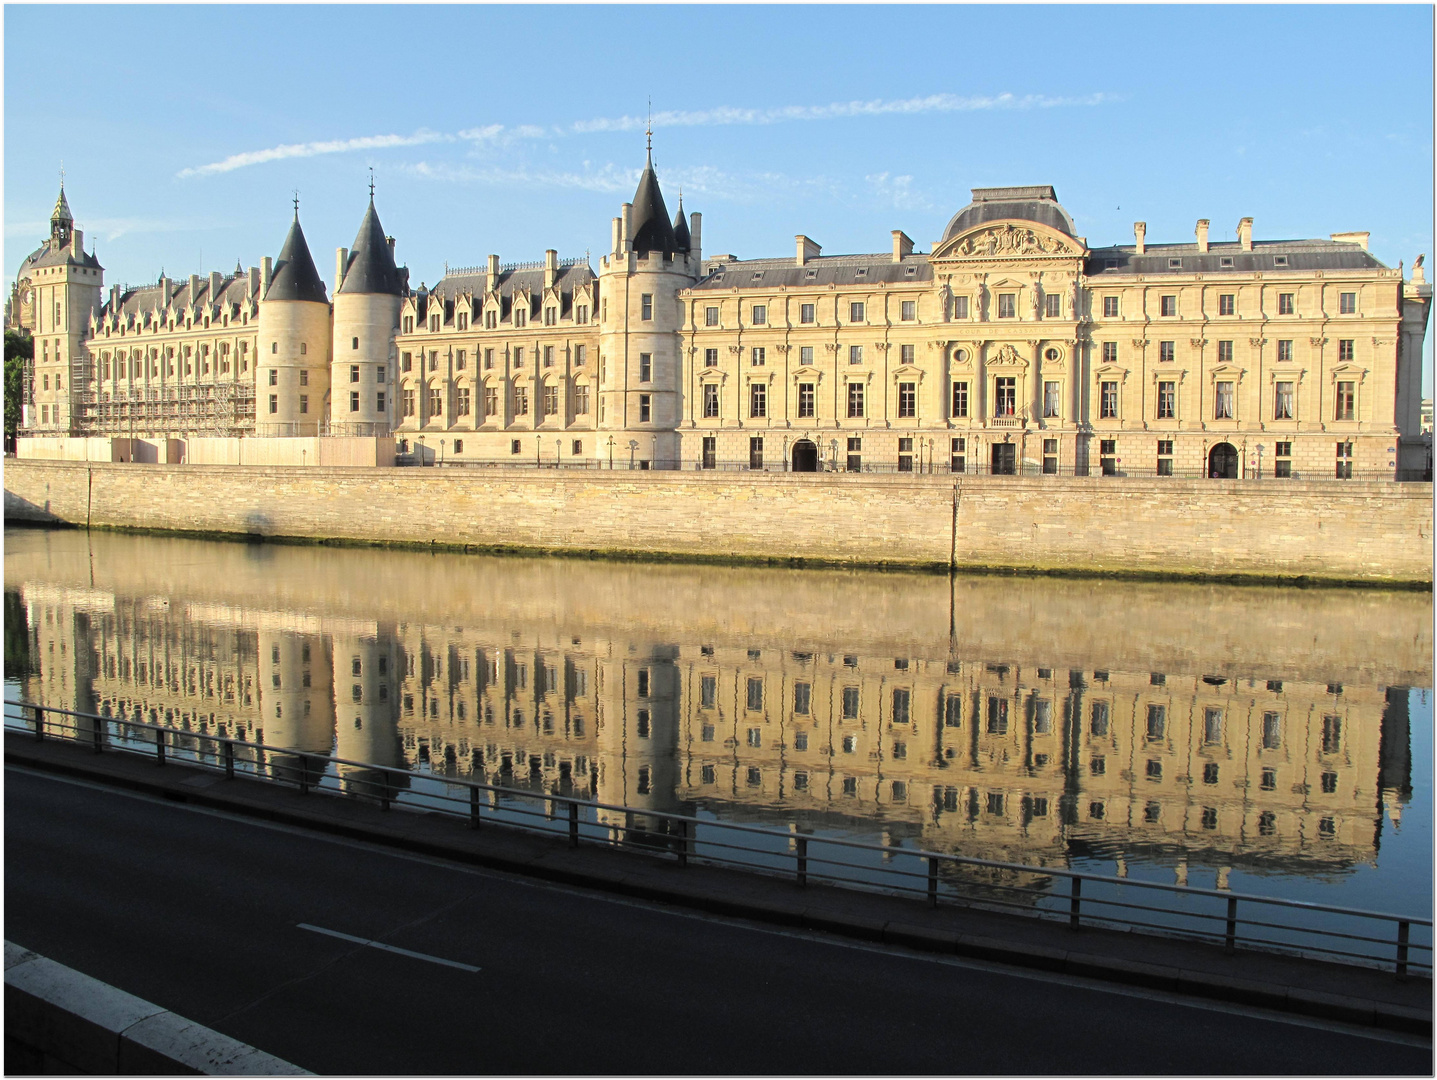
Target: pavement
[(1132, 967)]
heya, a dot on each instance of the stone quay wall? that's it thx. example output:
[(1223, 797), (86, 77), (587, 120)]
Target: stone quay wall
[(1324, 530)]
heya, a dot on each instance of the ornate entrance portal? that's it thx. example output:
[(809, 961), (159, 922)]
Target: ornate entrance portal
[(805, 456)]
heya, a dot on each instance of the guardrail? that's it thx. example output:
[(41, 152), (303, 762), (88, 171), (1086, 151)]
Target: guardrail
[(1232, 920)]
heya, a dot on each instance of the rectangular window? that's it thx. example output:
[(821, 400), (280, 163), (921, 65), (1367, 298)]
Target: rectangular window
[(1098, 720), (960, 399), (353, 401), (304, 403), (1167, 400), (1226, 304), (1052, 306), (646, 307), (580, 355), (274, 403), (516, 446), (1110, 307), (905, 353), (1224, 352), (1344, 461), (802, 692), (953, 710), (755, 452), (1346, 350), (1109, 401), (1282, 467), (354, 371), (1271, 731), (1285, 305), (855, 399), (758, 357), (997, 716), (517, 355), (850, 703), (1212, 726), (408, 402), (488, 360), (551, 401), (855, 354), (855, 455), (1282, 401), (710, 452), (581, 399), (757, 400), (548, 356), (855, 312), (1050, 457), (1346, 401), (1347, 303), (1165, 457), (1157, 721), (1107, 456), (959, 462), (1110, 352), (1051, 392), (711, 316), (960, 307), (711, 401), (905, 455), (1222, 401), (760, 314), (805, 313), (902, 701), (805, 400), (805, 355), (1007, 305), (907, 400), (710, 358), (436, 401), (646, 367), (1331, 734), (645, 408), (1169, 306), (491, 401), (1284, 352), (273, 377), (1005, 396), (379, 401), (521, 401), (909, 310)]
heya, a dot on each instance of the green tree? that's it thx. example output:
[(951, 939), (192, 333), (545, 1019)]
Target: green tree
[(18, 349)]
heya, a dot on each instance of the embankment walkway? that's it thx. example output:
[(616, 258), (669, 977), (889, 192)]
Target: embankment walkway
[(1288, 984)]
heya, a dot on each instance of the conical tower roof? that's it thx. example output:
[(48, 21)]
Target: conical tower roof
[(371, 266), (649, 225), (295, 277), (62, 209), (681, 228)]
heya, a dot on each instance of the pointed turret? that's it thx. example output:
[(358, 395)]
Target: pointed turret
[(371, 266), (295, 276), (649, 225), (62, 210), (681, 227)]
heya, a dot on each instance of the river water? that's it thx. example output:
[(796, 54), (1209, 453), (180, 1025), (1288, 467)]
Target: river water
[(1266, 740)]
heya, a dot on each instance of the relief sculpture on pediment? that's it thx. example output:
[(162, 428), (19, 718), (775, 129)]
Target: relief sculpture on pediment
[(1005, 240)]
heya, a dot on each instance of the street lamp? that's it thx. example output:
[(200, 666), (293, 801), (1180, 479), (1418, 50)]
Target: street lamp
[(441, 451), (420, 440), (1259, 461), (611, 451), (633, 449), (931, 470), (558, 449), (833, 454)]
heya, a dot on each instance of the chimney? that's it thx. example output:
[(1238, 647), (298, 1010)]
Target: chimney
[(194, 289), (114, 299), (616, 233), (696, 221), (1202, 225), (902, 245), (215, 278), (390, 241), (265, 273), (79, 242), (341, 260), (164, 292), (807, 249), (551, 268), (625, 214), (1358, 238), (1140, 234), (493, 272), (1244, 233)]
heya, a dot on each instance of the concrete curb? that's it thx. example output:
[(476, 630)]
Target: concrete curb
[(797, 913), (69, 1021)]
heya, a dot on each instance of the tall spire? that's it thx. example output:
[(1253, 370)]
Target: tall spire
[(295, 276), (371, 266), (681, 227), (650, 229)]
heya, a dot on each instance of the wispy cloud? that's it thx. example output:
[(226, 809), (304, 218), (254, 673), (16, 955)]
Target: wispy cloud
[(898, 191), (503, 135), (313, 149), (113, 228), (783, 114), (610, 178)]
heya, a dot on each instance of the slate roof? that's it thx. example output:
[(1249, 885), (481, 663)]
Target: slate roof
[(1301, 255), (1038, 204), (47, 254), (568, 280), (822, 270), (649, 225), (62, 209), (295, 277), (681, 228), (371, 268), (233, 292)]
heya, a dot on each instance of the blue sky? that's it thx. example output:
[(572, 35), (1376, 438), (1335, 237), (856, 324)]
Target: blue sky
[(515, 129)]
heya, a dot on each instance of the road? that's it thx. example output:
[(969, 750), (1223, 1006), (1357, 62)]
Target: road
[(206, 914)]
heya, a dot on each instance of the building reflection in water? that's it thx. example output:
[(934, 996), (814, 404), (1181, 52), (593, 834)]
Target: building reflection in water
[(987, 755)]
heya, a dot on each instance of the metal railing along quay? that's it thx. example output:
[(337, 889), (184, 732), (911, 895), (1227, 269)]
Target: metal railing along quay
[(1400, 943)]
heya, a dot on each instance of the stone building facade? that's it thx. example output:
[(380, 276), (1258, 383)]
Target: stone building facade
[(1011, 346)]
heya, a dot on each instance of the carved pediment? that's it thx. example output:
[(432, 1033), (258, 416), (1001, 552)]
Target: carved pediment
[(1008, 240), (1007, 354)]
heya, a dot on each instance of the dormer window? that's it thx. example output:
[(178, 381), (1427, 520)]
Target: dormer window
[(862, 271), (1279, 260), (811, 274), (1175, 264), (1110, 264), (757, 275), (1225, 262), (912, 270)]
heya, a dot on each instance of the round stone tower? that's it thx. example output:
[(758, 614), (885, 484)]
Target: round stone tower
[(640, 360), (292, 368), (367, 296)]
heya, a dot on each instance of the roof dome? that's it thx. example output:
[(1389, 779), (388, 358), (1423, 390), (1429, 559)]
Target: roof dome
[(1035, 204)]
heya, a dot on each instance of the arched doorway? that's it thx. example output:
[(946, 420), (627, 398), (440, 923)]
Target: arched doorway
[(1222, 462), (805, 456)]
